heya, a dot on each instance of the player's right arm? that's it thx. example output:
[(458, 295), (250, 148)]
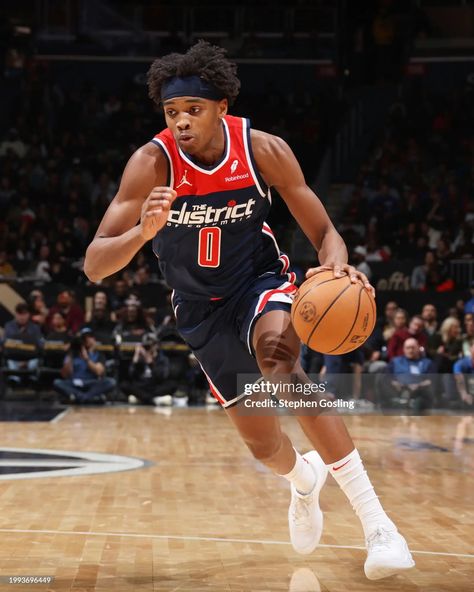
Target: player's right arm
[(142, 197)]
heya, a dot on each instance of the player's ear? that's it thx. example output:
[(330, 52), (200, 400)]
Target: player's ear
[(222, 107)]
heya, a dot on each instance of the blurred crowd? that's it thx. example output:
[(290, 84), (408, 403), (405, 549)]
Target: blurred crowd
[(114, 348), (412, 362), (63, 155), (413, 197), (61, 158), (412, 203)]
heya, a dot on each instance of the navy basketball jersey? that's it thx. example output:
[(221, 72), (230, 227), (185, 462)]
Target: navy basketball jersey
[(216, 238)]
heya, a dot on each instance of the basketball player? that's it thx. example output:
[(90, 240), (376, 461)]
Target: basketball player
[(200, 190)]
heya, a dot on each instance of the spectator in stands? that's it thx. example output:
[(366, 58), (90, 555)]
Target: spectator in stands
[(43, 267), (464, 378), (133, 324), (429, 314), (464, 242), (443, 251), (56, 344), (142, 276), (27, 216), (437, 218), (375, 347), (468, 337), (399, 321), (58, 328), (375, 252), (149, 374), (100, 301), (7, 270), (101, 324), (120, 293), (407, 244), (415, 329), (410, 378), (387, 320), (469, 305), (84, 372), (165, 314), (457, 311), (386, 208), (22, 343), (446, 346), (335, 367), (424, 275), (444, 255), (62, 272), (38, 309), (72, 312), (13, 144), (7, 191), (358, 260)]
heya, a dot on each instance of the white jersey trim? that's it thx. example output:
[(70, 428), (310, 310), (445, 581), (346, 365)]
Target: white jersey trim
[(168, 156), (245, 129), (220, 165), (268, 231)]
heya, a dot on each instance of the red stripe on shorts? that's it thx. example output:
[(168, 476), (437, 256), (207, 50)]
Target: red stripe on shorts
[(267, 297)]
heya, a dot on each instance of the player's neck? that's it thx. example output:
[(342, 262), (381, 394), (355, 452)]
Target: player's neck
[(214, 150)]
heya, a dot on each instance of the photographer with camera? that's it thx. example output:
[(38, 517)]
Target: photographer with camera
[(83, 372), (149, 373)]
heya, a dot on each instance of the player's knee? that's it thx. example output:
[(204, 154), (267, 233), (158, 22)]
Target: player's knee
[(264, 450), (272, 367), (276, 359)]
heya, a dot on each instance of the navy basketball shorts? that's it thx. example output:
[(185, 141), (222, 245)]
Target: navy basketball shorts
[(219, 332)]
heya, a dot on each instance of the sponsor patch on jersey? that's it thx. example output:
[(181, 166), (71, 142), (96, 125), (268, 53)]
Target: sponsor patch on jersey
[(237, 177)]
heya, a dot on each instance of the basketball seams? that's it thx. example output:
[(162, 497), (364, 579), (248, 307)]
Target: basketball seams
[(374, 312), (293, 313), (326, 311), (353, 322)]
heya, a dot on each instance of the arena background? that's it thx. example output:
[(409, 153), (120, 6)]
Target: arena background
[(375, 97)]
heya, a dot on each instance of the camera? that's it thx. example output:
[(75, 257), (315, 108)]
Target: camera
[(76, 346), (148, 341)]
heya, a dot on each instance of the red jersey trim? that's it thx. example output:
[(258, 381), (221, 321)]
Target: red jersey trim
[(162, 145)]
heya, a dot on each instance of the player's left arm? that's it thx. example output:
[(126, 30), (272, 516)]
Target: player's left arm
[(279, 168)]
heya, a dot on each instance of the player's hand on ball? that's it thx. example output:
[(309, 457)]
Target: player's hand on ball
[(155, 211), (341, 269)]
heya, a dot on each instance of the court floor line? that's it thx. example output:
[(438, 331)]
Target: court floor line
[(138, 535), (60, 415)]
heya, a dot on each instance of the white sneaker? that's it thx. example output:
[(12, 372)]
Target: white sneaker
[(165, 400), (305, 518), (210, 399), (387, 554)]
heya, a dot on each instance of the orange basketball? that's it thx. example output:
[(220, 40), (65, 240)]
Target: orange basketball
[(333, 315)]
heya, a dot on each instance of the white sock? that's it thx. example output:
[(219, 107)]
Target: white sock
[(352, 478), (301, 475)]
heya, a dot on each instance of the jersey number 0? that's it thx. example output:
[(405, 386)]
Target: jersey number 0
[(209, 247)]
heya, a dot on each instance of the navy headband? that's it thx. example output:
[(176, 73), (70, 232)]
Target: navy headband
[(190, 86)]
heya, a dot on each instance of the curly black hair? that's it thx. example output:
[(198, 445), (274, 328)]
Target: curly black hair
[(202, 59)]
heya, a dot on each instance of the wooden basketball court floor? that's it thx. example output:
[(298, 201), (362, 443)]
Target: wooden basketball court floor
[(203, 515)]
